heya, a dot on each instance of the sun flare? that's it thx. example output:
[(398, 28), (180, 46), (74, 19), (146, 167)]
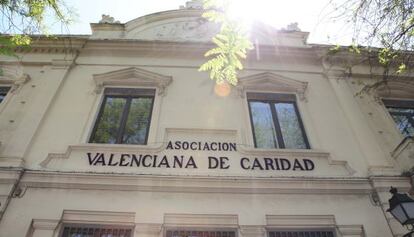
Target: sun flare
[(272, 12)]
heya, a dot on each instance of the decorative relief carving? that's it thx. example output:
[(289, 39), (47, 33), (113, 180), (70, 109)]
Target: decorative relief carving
[(107, 19), (194, 30), (294, 26), (194, 4)]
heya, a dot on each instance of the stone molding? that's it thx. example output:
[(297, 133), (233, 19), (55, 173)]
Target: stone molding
[(91, 147), (98, 217), (201, 220), (9, 178), (252, 231), (153, 229), (44, 224), (7, 161), (132, 76), (351, 230), (383, 184), (270, 82), (186, 184), (285, 221)]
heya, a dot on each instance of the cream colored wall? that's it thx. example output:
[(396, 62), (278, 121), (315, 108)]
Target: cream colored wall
[(191, 103), (60, 106), (150, 207)]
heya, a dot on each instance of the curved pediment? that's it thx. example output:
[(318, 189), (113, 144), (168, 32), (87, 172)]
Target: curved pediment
[(177, 25), (188, 25), (270, 82), (132, 76)]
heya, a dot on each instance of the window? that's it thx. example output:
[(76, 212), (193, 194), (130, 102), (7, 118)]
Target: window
[(302, 233), (124, 117), (95, 231), (276, 122), (402, 111), (3, 92), (199, 233)]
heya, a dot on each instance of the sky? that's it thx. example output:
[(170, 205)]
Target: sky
[(309, 14)]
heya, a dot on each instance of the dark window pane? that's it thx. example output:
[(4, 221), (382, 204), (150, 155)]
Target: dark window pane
[(289, 125), (109, 121), (95, 232), (3, 92), (404, 124), (403, 116), (264, 129), (302, 233), (138, 121)]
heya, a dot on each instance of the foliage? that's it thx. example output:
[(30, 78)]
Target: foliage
[(385, 28), (20, 19), (232, 44)]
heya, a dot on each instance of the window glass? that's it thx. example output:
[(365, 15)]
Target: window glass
[(276, 122), (124, 117), (264, 129), (138, 121), (403, 114), (3, 92), (96, 231), (199, 233), (289, 125), (109, 121), (302, 233)]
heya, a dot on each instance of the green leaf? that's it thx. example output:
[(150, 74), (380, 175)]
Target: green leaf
[(232, 44)]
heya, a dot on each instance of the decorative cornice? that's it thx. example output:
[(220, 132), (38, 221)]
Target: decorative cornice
[(61, 44), (132, 76), (271, 82), (199, 184), (383, 184)]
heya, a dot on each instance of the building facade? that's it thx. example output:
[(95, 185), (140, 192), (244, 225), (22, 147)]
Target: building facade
[(118, 134)]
